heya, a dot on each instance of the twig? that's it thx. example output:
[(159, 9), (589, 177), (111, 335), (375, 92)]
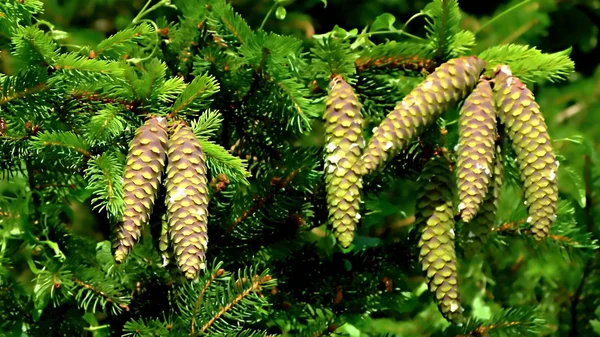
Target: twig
[(483, 330), (27, 91), (94, 97), (109, 299), (212, 278), (414, 63), (510, 227), (569, 112), (255, 286), (262, 201)]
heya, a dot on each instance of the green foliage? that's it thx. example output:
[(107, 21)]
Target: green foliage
[(530, 64), (77, 78)]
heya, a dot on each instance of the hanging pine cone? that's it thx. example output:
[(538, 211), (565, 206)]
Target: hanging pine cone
[(477, 133), (163, 240), (435, 218), (476, 232), (343, 129), (145, 164), (187, 201), (447, 85), (525, 127)]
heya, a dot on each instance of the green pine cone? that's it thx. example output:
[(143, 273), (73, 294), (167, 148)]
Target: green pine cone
[(435, 218), (528, 133), (477, 131), (343, 136), (163, 240), (447, 85), (187, 201), (145, 164), (476, 232)]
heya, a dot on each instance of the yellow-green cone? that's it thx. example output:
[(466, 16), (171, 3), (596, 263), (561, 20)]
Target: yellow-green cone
[(475, 153), (187, 201), (435, 218), (476, 232), (528, 133), (344, 143), (143, 171), (163, 240), (447, 85)]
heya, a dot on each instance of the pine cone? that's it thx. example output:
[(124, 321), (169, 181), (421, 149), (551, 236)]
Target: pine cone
[(343, 129), (447, 85), (145, 164), (163, 240), (476, 232), (477, 132), (187, 201), (435, 218), (528, 133)]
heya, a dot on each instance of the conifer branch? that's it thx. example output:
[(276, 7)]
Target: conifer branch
[(108, 298), (414, 63), (485, 329), (95, 97), (511, 227), (78, 149), (256, 285), (23, 93), (218, 273), (232, 29), (439, 54), (278, 185)]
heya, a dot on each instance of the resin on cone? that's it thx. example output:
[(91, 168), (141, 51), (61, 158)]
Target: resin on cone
[(435, 218), (527, 131), (447, 85), (476, 232), (187, 200), (143, 171), (475, 153), (344, 144)]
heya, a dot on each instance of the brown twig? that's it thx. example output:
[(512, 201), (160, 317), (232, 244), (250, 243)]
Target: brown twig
[(483, 330), (256, 284), (109, 299), (27, 91), (197, 306), (94, 97), (414, 63), (278, 185), (510, 227)]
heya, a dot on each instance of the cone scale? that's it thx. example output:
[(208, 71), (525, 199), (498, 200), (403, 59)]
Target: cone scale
[(435, 218), (447, 85), (187, 201), (344, 144), (143, 171), (526, 128), (475, 155)]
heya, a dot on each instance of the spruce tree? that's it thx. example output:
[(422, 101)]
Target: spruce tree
[(242, 181)]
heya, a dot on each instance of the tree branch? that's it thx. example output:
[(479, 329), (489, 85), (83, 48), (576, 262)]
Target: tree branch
[(278, 185), (27, 91), (414, 63), (255, 286), (212, 278), (109, 298)]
